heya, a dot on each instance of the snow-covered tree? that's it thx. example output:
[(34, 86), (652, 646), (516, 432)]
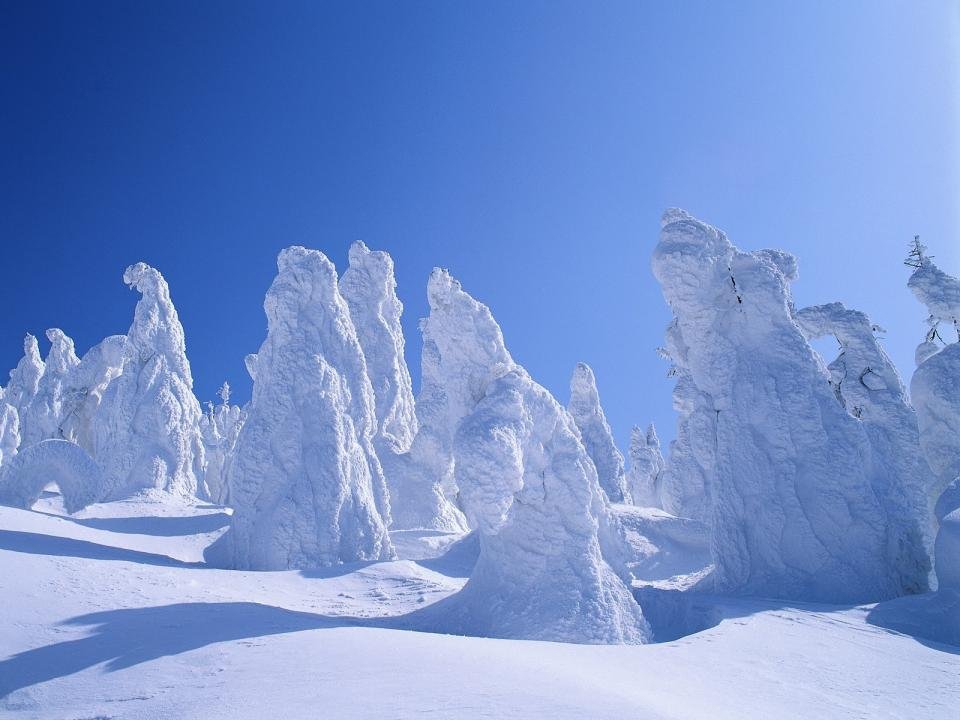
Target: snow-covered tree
[(220, 427), (529, 488), (9, 430), (370, 289), (25, 380), (646, 467), (147, 425), (305, 482), (595, 432), (796, 512), (42, 417)]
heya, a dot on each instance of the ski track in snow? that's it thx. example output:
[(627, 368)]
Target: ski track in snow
[(109, 614)]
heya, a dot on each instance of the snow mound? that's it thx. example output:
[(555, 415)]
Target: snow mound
[(595, 432), (65, 463), (85, 388), (795, 512), (305, 483), (147, 424), (645, 476), (529, 487)]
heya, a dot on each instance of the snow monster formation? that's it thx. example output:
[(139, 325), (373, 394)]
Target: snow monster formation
[(795, 511), (935, 387), (220, 427), (685, 484), (529, 488), (85, 388), (646, 467), (44, 414), (867, 384), (9, 430), (370, 289), (595, 433), (25, 381), (147, 425), (305, 482)]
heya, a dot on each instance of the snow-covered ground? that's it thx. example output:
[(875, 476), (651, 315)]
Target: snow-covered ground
[(110, 613)]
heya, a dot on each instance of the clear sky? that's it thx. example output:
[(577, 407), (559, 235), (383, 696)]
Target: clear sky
[(530, 147)]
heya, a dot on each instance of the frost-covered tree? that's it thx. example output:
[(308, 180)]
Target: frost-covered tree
[(935, 386), (25, 380), (646, 467), (370, 289), (220, 427), (867, 384), (595, 432), (305, 482), (147, 425), (685, 483), (85, 387), (9, 430), (529, 488), (45, 412), (795, 513)]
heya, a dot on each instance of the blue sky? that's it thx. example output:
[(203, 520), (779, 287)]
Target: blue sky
[(529, 147)]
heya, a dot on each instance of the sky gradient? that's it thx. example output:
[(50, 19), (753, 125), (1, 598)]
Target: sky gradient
[(528, 147)]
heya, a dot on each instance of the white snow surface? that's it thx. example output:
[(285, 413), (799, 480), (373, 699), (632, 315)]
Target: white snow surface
[(596, 434), (795, 509), (645, 476), (107, 614), (305, 482), (147, 424), (220, 428)]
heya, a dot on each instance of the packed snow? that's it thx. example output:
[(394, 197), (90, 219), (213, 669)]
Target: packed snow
[(341, 545)]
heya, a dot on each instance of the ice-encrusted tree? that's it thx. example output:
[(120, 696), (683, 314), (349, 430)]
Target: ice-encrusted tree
[(9, 430), (529, 488), (370, 289), (25, 380), (587, 413), (85, 387), (646, 467), (147, 424), (935, 386), (43, 415), (305, 482), (795, 512), (867, 384), (685, 483), (220, 427)]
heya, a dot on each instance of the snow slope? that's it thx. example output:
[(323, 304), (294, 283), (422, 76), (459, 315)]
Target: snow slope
[(107, 615)]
